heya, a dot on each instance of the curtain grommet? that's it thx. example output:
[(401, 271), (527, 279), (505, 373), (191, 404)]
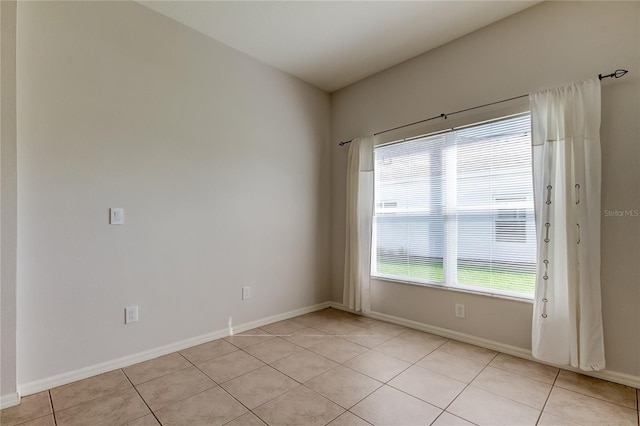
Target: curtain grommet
[(547, 225)]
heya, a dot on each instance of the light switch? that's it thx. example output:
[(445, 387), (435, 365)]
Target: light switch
[(117, 216)]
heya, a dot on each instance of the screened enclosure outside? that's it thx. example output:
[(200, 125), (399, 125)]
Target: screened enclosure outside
[(456, 209)]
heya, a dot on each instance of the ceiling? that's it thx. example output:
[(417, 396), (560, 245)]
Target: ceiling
[(332, 44)]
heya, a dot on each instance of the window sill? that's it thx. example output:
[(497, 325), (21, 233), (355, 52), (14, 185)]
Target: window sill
[(514, 298)]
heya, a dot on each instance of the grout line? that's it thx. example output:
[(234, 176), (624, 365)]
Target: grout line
[(181, 400), (386, 383), (143, 400), (467, 386), (383, 354), (523, 375), (225, 390), (595, 397), (454, 415), (205, 374), (246, 335), (158, 377), (239, 402), (110, 392), (190, 396), (53, 411), (511, 399), (266, 365), (414, 397), (356, 371), (354, 414), (364, 397), (321, 396), (553, 385), (260, 418), (55, 421), (339, 364), (592, 396)]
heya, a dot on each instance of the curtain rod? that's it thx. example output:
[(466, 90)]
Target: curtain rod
[(616, 74)]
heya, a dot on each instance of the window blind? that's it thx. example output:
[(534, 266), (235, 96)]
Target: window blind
[(456, 209)]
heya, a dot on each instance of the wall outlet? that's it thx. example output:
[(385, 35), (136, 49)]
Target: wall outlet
[(130, 314), (246, 293), (459, 310)]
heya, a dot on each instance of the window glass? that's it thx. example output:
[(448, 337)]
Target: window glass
[(456, 209)]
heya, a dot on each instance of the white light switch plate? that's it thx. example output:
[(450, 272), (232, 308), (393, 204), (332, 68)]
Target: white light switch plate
[(246, 293), (116, 216)]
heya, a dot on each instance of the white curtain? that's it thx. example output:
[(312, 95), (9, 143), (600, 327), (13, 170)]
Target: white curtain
[(567, 318), (359, 217)]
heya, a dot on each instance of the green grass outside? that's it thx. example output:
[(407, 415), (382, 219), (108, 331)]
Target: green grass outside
[(471, 275)]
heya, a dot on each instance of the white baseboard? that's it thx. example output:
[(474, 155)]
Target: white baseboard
[(9, 400), (612, 376), (83, 373)]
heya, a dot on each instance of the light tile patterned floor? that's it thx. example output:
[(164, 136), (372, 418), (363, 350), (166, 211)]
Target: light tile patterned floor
[(332, 368)]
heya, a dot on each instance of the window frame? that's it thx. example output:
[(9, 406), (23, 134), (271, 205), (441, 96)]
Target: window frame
[(406, 135)]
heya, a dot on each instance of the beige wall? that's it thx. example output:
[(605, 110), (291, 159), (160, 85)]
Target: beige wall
[(220, 162), (547, 45), (8, 199)]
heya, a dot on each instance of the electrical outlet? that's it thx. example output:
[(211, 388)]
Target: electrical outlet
[(459, 310), (130, 314), (246, 293)]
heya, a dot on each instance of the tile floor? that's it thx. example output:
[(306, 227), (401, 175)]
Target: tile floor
[(332, 368)]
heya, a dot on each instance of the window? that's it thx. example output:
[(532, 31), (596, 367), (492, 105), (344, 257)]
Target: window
[(462, 211)]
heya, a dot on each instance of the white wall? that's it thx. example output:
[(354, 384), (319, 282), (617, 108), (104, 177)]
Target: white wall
[(8, 202), (220, 162), (547, 45)]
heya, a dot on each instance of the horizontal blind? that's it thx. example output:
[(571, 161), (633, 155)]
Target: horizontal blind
[(456, 209), (408, 230)]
